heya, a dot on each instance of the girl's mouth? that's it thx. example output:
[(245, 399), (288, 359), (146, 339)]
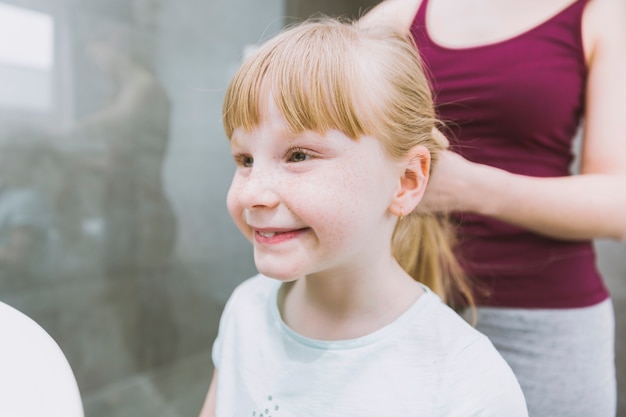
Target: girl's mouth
[(276, 236)]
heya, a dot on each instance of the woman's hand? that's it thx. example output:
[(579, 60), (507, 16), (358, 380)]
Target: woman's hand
[(449, 187)]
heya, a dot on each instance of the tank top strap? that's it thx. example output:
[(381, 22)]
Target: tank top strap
[(419, 21), (570, 16)]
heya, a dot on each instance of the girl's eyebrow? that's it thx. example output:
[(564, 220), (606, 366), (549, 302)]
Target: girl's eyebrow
[(233, 140), (307, 135)]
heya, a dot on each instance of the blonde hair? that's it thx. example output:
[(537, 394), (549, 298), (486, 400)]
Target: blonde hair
[(325, 74)]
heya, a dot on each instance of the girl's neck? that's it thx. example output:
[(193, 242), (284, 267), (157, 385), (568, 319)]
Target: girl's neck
[(350, 304)]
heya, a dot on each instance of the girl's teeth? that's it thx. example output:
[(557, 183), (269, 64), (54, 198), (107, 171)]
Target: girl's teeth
[(267, 234)]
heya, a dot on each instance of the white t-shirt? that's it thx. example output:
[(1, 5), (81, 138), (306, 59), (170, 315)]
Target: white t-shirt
[(428, 362)]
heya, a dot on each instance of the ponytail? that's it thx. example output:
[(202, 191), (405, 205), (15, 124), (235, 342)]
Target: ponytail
[(423, 245)]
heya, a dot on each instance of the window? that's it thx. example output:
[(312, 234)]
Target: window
[(26, 59)]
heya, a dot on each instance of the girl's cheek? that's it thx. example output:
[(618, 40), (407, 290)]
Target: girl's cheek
[(236, 211), (232, 204)]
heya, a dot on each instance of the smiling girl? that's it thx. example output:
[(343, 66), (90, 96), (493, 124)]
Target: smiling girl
[(331, 129)]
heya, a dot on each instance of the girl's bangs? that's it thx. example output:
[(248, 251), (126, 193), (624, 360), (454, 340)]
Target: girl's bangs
[(311, 77)]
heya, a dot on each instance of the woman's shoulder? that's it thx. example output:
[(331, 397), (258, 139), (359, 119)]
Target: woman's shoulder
[(395, 14), (604, 22), (599, 11)]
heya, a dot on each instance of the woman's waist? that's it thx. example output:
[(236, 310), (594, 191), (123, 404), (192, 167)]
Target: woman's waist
[(518, 268)]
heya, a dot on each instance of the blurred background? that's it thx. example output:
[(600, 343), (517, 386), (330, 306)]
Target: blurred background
[(114, 233)]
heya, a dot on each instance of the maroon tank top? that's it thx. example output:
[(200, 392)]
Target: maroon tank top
[(517, 105)]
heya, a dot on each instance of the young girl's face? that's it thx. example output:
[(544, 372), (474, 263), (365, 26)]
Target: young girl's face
[(311, 203)]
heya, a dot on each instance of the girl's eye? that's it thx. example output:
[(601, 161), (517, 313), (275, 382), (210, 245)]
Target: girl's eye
[(298, 155), (245, 161)]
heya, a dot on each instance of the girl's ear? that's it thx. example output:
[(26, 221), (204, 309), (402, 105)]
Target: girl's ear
[(413, 182)]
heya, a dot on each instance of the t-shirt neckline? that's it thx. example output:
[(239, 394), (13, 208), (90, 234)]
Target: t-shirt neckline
[(383, 333)]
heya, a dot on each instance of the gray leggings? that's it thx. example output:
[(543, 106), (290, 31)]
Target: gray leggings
[(564, 359)]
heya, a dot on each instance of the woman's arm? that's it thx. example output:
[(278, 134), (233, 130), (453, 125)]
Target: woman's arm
[(577, 207), (208, 409)]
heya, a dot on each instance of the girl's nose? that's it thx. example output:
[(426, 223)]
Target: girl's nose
[(259, 190)]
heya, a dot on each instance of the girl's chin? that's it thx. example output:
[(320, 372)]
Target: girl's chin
[(283, 277), (284, 267), (280, 274)]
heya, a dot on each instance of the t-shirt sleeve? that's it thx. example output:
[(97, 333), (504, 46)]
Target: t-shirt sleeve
[(216, 352), (224, 325), (479, 383)]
